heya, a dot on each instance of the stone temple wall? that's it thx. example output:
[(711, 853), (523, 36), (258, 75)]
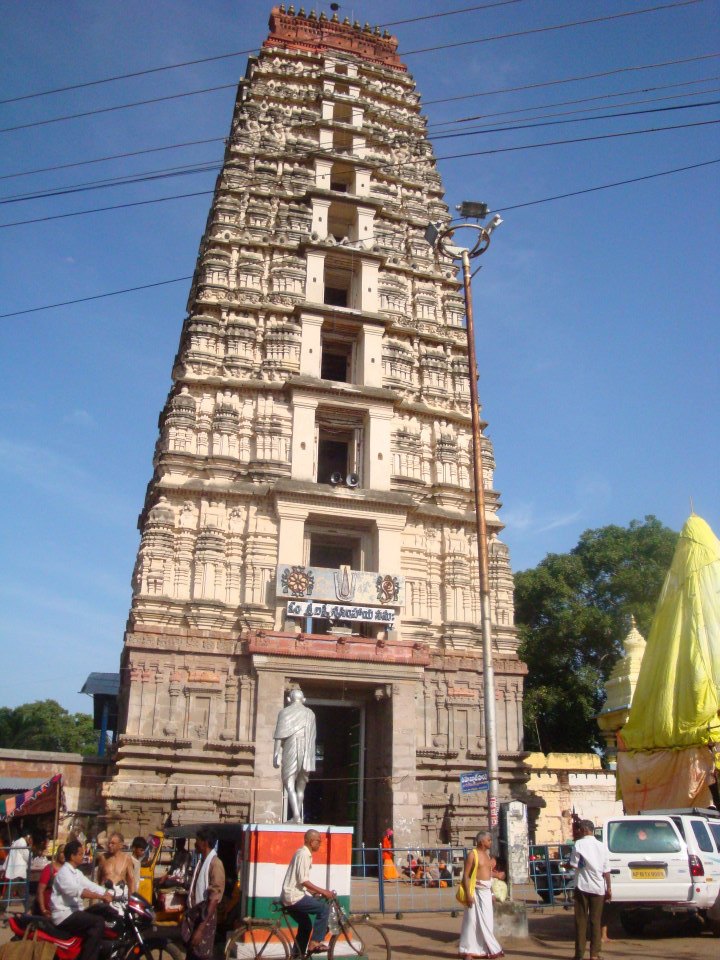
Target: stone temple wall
[(323, 334)]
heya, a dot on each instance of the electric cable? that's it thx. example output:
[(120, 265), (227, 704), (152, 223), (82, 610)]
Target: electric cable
[(552, 28), (96, 296), (446, 46), (114, 156), (214, 165), (489, 152), (129, 180), (487, 93), (226, 56), (575, 102), (532, 124), (503, 209), (119, 106), (587, 76)]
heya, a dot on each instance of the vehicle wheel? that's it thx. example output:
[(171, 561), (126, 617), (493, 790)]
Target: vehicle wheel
[(360, 938), (165, 950), (257, 939), (694, 925), (632, 922)]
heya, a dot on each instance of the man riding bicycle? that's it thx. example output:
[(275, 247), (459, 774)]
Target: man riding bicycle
[(303, 899)]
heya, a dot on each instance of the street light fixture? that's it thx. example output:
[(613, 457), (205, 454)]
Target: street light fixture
[(441, 236)]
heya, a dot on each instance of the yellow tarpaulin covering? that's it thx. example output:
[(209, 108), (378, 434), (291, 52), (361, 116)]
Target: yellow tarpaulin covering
[(677, 698)]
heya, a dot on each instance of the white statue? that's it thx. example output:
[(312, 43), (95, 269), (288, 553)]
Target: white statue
[(295, 743)]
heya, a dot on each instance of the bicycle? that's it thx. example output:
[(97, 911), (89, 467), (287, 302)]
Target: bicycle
[(356, 938)]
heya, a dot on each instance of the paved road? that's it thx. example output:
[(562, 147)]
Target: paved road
[(430, 936)]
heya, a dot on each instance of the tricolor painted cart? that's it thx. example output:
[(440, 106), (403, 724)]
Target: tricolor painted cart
[(269, 933)]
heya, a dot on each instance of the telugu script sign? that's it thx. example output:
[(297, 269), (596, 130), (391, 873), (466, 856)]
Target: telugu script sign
[(474, 781), (339, 611)]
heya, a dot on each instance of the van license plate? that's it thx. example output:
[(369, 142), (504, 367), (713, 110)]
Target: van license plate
[(648, 873)]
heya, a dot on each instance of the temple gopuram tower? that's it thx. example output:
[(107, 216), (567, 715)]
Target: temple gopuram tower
[(310, 519)]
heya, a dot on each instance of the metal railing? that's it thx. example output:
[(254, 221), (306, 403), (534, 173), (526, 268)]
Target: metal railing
[(554, 882), (411, 881)]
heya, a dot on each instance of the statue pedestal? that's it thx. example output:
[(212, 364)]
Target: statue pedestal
[(267, 851)]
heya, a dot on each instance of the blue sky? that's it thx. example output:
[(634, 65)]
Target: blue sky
[(597, 331)]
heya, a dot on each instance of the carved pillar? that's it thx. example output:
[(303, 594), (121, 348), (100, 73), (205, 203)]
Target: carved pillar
[(229, 731)]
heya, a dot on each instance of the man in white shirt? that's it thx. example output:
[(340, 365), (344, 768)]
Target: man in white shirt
[(592, 889), (304, 899), (70, 888)]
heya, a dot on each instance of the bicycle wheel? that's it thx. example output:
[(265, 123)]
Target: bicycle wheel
[(360, 938), (257, 938), (162, 950)]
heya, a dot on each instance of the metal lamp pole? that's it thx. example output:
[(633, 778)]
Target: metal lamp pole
[(441, 236)]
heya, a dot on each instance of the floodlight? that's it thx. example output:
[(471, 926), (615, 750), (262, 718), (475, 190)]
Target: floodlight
[(472, 210)]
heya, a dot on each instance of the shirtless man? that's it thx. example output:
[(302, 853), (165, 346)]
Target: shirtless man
[(476, 936), (116, 865)]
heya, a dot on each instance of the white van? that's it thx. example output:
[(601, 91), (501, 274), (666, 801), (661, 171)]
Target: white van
[(664, 861)]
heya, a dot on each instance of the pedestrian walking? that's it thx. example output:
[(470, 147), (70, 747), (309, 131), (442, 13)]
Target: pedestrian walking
[(477, 938), (206, 889), (45, 883), (592, 889)]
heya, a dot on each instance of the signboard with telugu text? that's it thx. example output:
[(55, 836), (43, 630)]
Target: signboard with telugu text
[(340, 611), (474, 781)]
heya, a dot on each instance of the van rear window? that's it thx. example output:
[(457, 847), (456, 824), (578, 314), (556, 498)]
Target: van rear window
[(642, 836)]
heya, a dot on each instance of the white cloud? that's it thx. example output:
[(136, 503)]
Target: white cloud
[(60, 478), (561, 521), (80, 418)]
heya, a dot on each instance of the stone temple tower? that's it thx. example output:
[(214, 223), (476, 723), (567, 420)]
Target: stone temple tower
[(309, 522)]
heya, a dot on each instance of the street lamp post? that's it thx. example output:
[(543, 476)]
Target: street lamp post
[(441, 236)]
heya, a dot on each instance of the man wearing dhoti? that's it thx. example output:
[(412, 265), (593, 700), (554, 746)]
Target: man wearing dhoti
[(476, 936), (295, 744)]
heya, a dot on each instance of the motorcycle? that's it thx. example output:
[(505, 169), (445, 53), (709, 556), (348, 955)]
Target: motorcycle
[(130, 932)]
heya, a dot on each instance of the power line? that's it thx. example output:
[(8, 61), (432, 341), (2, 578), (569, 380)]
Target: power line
[(120, 106), (531, 124), (114, 156), (212, 165), (96, 296), (124, 181), (227, 56), (502, 209), (558, 143), (117, 206), (477, 153), (554, 27), (605, 186), (446, 46), (450, 13), (587, 76), (486, 93), (602, 96)]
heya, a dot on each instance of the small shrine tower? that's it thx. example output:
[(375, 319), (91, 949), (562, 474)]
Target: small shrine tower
[(310, 521)]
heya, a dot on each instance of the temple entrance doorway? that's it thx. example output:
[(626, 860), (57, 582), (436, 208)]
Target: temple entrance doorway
[(334, 794)]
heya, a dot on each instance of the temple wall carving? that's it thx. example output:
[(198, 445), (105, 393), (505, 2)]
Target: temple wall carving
[(320, 416)]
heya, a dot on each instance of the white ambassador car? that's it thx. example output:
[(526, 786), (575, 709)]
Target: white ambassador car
[(664, 861)]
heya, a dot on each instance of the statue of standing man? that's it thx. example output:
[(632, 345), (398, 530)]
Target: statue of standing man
[(295, 743)]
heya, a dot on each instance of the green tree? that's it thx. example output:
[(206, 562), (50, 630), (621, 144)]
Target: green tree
[(45, 725), (573, 612)]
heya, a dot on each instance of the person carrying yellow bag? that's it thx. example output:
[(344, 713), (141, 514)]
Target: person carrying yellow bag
[(475, 893)]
